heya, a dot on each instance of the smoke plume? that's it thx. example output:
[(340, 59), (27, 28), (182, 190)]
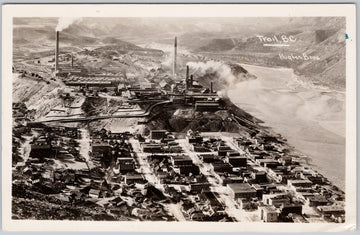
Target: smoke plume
[(224, 74), (65, 22)]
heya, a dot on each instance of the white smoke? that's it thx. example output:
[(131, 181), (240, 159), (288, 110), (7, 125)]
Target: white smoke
[(65, 22), (168, 61), (222, 70), (222, 93)]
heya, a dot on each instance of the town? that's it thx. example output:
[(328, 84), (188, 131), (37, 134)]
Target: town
[(160, 148)]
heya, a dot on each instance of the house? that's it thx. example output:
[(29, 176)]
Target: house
[(41, 150), (293, 208), (193, 137), (298, 218), (198, 187), (124, 160), (305, 183), (208, 158), (222, 167), (259, 177), (222, 153), (152, 148), (94, 193), (126, 165), (316, 179), (269, 213), (237, 161), (286, 160), (317, 200), (209, 196), (233, 153), (181, 160), (197, 216), (268, 162), (276, 199), (100, 149), (333, 210), (259, 190), (134, 178), (241, 190), (187, 169), (199, 148), (225, 147), (157, 134), (231, 180)]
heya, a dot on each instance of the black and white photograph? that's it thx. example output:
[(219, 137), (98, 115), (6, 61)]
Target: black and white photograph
[(180, 119)]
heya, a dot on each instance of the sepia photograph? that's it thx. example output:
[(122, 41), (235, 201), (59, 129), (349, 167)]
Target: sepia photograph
[(233, 120)]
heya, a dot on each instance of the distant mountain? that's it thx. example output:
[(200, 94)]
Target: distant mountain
[(36, 37), (232, 39), (319, 48), (219, 45)]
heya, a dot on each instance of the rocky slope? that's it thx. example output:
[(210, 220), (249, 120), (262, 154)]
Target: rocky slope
[(36, 94)]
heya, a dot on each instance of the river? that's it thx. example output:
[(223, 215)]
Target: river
[(311, 118)]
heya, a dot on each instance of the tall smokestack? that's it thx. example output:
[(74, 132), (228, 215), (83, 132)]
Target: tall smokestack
[(211, 87), (191, 80), (187, 77), (72, 60), (57, 52), (175, 54)]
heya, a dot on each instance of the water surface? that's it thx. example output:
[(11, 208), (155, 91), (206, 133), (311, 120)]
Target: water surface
[(311, 118)]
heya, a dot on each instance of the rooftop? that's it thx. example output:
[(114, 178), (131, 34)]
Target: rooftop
[(135, 176), (162, 131), (270, 209), (241, 187), (300, 181)]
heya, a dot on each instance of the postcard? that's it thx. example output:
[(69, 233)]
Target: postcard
[(179, 117)]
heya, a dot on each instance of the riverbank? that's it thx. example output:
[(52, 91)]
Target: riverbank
[(311, 118)]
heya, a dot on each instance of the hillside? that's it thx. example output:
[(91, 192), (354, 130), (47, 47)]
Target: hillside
[(37, 94), (323, 39), (233, 40)]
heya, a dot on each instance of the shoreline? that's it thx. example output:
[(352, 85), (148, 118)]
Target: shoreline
[(317, 146)]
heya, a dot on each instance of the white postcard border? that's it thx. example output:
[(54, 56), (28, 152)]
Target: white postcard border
[(178, 10)]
